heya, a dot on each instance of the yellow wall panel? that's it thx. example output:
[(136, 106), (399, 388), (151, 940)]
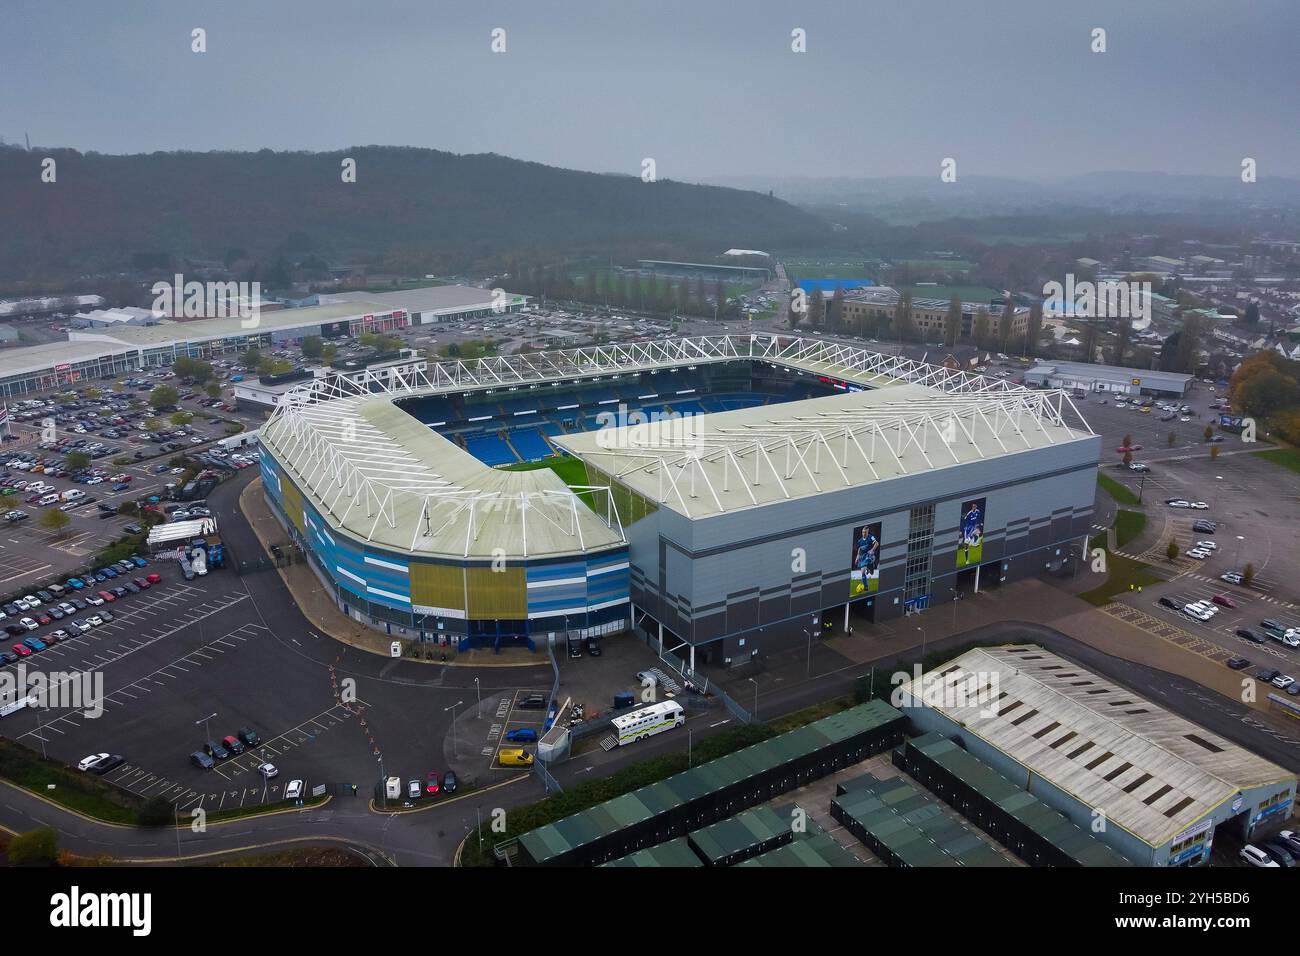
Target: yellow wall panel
[(438, 585), (496, 594)]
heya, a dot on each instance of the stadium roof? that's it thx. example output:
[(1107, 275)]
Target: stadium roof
[(711, 464), (375, 468), (1150, 771), (395, 482)]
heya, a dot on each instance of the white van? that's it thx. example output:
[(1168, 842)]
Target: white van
[(48, 500), (72, 494)]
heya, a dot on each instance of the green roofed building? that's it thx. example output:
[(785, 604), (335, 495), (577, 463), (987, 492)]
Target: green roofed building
[(819, 850), (714, 791), (1019, 820), (673, 853), (903, 827), (741, 837)]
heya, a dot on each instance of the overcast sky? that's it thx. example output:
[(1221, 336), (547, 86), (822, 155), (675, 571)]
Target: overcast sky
[(705, 87)]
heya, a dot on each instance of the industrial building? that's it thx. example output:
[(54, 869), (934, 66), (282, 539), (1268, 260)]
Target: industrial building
[(436, 304), (1150, 785), (694, 799), (1108, 379), (719, 532), (868, 307)]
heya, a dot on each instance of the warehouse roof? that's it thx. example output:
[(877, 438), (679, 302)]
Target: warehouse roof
[(1152, 772), (202, 330), (726, 461), (48, 355), (580, 829), (439, 298), (745, 831)]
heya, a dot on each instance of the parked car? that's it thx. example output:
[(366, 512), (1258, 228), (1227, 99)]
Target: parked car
[(1254, 856), (268, 770), (1237, 663), (522, 735), (85, 763), (202, 760)]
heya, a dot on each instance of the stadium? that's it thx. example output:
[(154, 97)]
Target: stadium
[(724, 495)]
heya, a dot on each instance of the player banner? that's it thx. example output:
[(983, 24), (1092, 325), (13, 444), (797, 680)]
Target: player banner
[(970, 546), (864, 573)]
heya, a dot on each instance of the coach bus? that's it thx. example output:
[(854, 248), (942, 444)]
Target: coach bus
[(648, 721)]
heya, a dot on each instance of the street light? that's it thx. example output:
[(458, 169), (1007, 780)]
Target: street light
[(1236, 559), (204, 722), (455, 749), (478, 692), (922, 630), (808, 632), (755, 683)]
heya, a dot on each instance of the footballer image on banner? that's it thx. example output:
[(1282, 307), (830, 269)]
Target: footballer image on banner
[(970, 547), (864, 575)]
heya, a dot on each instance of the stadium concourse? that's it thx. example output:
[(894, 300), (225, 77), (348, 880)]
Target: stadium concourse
[(724, 494)]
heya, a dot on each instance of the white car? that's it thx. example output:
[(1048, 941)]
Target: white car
[(1257, 857), (1178, 503), (1207, 546), (1199, 610), (1232, 577), (95, 620), (293, 790), (1199, 553), (1282, 680), (28, 623), (94, 600), (268, 770), (85, 763), (1184, 419), (1199, 506)]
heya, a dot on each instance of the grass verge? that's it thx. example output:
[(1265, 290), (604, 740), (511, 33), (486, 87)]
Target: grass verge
[(1285, 457), (1116, 490), (1125, 574), (1128, 525)]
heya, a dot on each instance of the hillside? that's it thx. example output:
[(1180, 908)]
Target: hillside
[(410, 209)]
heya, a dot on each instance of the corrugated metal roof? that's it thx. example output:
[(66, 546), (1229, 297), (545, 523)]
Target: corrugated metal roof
[(674, 853), (1150, 771)]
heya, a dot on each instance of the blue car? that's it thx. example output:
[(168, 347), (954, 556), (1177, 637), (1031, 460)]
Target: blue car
[(75, 583), (121, 486), (36, 644), (525, 735), (138, 561), (101, 577)]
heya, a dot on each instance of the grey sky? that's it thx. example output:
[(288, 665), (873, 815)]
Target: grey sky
[(1007, 87)]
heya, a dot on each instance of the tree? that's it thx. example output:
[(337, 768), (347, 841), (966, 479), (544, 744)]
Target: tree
[(952, 322), (1248, 575), (34, 848), (1128, 441), (153, 424), (1128, 458), (903, 329), (1005, 323), (182, 418), (76, 461), (1171, 550), (1251, 317), (1173, 439), (1209, 432), (52, 519), (981, 330), (1034, 329), (213, 389), (313, 346), (163, 396), (1214, 451), (250, 358)]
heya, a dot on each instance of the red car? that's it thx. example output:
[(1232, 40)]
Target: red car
[(154, 578), (431, 782), (1223, 600), (108, 596), (43, 619), (22, 650)]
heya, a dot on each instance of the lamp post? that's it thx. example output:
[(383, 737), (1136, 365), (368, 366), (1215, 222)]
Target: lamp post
[(922, 630), (204, 721), (478, 692), (1236, 558), (754, 714), (455, 749)]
